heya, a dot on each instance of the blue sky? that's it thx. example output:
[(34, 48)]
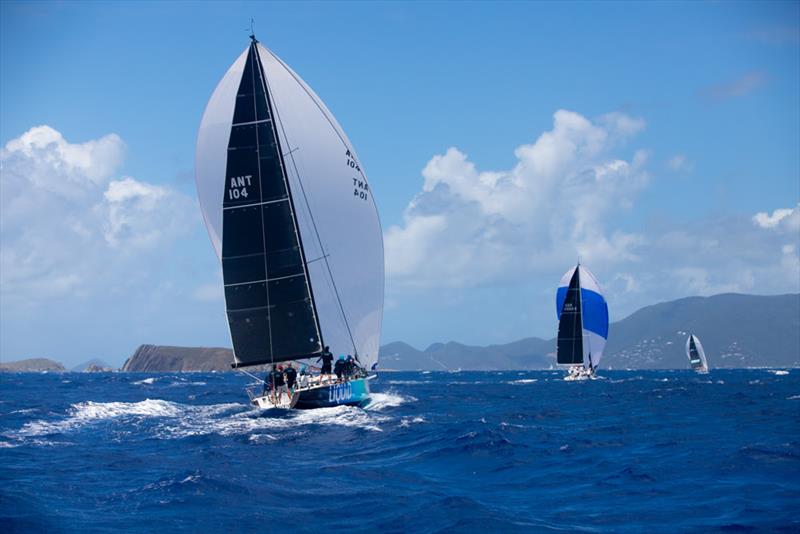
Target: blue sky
[(672, 127)]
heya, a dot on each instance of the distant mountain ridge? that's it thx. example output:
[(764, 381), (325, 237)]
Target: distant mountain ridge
[(32, 365), (159, 358), (736, 331)]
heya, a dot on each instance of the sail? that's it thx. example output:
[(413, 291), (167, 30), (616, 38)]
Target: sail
[(593, 310), (330, 207), (696, 354), (569, 350)]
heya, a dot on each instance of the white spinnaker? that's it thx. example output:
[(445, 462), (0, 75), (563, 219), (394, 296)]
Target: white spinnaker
[(340, 229), (700, 351), (211, 157)]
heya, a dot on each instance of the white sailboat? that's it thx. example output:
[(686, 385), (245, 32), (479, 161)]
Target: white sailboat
[(696, 354), (292, 218)]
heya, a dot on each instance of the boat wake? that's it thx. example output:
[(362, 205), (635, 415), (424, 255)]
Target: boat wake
[(171, 420)]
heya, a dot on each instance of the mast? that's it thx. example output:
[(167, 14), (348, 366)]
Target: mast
[(580, 312)]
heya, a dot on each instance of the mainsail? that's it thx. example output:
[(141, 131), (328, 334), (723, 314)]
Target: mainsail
[(291, 215), (582, 319), (696, 354)]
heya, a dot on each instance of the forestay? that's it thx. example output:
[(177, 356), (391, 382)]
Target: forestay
[(312, 172), (593, 312)]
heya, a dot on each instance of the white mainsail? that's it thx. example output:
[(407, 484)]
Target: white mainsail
[(333, 204)]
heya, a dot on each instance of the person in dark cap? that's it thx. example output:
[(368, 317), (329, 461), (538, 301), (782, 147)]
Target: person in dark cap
[(327, 359), (291, 377), (340, 368)]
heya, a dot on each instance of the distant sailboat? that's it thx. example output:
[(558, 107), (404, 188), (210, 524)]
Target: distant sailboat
[(582, 323), (291, 216), (696, 354)]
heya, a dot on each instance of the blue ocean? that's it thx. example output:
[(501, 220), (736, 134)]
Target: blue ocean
[(639, 451)]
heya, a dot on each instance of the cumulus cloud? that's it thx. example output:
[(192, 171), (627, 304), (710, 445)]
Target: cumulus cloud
[(469, 226), (68, 227), (787, 218)]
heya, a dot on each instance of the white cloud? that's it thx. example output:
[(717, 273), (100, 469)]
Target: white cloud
[(742, 86), (67, 227), (680, 163), (788, 218), (469, 227)]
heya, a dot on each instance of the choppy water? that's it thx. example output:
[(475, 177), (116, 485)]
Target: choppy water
[(638, 451)]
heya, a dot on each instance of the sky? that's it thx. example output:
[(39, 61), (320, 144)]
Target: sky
[(657, 142)]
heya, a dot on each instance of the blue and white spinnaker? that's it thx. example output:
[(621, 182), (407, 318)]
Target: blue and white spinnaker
[(583, 319)]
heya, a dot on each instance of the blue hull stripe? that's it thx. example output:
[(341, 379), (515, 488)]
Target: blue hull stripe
[(351, 393)]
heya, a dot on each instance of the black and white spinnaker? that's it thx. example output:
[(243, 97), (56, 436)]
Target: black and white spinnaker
[(292, 218)]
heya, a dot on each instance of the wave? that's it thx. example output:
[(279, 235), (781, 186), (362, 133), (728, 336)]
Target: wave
[(172, 420), (778, 372), (380, 401), (523, 381), (146, 381), (408, 421)]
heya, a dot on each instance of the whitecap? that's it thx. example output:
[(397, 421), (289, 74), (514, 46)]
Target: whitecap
[(185, 383), (793, 397), (408, 421), (379, 401), (24, 411), (778, 372), (147, 381), (523, 381)]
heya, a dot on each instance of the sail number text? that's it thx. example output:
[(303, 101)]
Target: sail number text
[(238, 186), (360, 186)]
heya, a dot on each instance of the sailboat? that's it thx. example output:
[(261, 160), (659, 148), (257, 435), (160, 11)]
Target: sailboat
[(696, 354), (582, 323), (293, 221)]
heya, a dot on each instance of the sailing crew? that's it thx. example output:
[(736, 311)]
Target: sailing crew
[(270, 379), (340, 367), (291, 377), (326, 358), (350, 366), (302, 380), (279, 384)]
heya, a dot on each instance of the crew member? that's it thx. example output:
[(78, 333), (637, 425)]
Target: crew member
[(279, 384), (291, 377), (302, 380), (327, 359), (340, 367)]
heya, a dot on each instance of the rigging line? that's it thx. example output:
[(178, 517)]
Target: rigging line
[(316, 230), (580, 308), (274, 111), (253, 59)]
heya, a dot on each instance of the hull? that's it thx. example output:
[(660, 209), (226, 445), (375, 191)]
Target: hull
[(350, 393)]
